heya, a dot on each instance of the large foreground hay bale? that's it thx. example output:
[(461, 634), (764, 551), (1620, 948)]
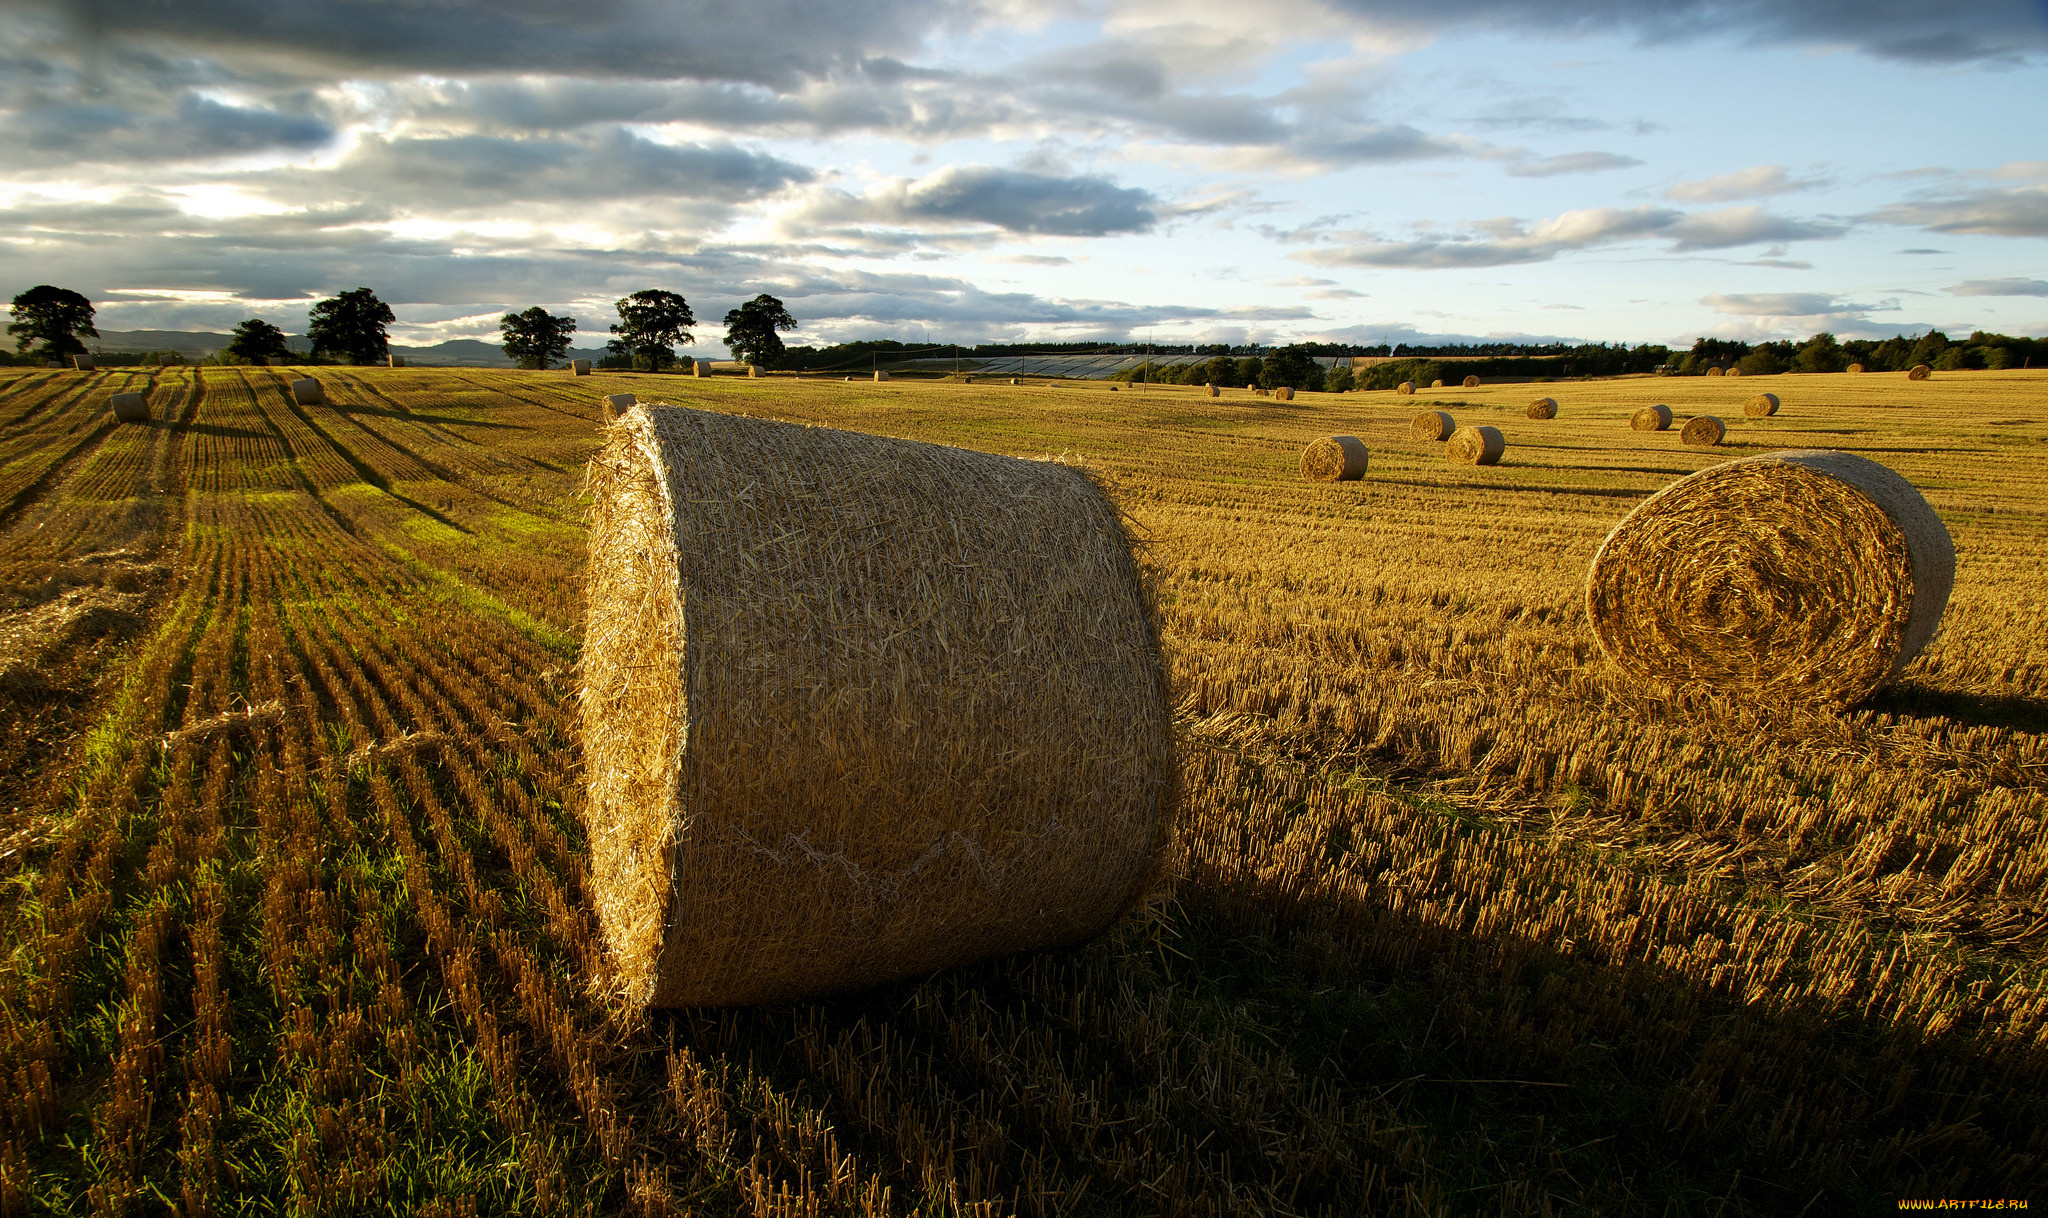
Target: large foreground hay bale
[(1919, 372), (1471, 382), (579, 367), (1703, 431), (1855, 367), (1334, 459), (1475, 446), (1543, 408), (85, 363), (857, 708), (130, 407), (1651, 418), (307, 392), (1405, 388), (1811, 573), (1284, 393), (1717, 372), (1432, 425), (1762, 406), (616, 404)]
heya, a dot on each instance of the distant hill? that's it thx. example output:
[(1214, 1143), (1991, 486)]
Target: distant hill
[(194, 345)]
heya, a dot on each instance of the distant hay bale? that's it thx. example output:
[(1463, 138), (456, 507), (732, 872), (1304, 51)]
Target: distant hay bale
[(1252, 388), (1436, 425), (1919, 372), (1405, 388), (1717, 372), (753, 370), (1703, 431), (1334, 459), (579, 367), (397, 361), (1471, 382), (307, 392), (1735, 372), (1855, 367), (960, 746), (616, 404), (84, 363), (1438, 383), (1650, 418), (1543, 408), (1214, 392), (880, 375), (1014, 381), (1284, 393), (1762, 406), (1476, 446), (130, 407), (1810, 574)]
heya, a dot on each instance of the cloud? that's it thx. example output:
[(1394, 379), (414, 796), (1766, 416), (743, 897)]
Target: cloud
[(971, 195), (1788, 304), (1506, 242), (1756, 182), (1733, 226), (2000, 287), (2017, 212), (1571, 162)]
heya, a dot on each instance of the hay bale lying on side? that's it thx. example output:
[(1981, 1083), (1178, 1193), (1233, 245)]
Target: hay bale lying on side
[(1855, 367), (1253, 388), (1334, 459), (1284, 393), (1762, 406), (1735, 372), (130, 407), (307, 392), (1434, 425), (1405, 388), (579, 367), (616, 404), (1543, 408), (880, 375), (913, 716), (1438, 383), (1471, 382), (753, 370), (1214, 392), (1703, 431), (1475, 446), (85, 363), (1717, 372), (396, 361), (1013, 381), (1919, 372), (1809, 574), (1650, 418)]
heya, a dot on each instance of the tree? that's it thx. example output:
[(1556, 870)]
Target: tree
[(1293, 367), (536, 338), (54, 317), (350, 327), (1821, 353), (652, 323), (1761, 361), (1339, 379), (750, 330), (256, 340)]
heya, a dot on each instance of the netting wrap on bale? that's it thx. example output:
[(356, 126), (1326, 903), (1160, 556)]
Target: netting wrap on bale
[(1334, 459), (1651, 418), (129, 407), (85, 363), (307, 392), (1703, 431), (857, 708), (1810, 574), (1762, 406), (1476, 446), (1543, 408), (1432, 425), (579, 367)]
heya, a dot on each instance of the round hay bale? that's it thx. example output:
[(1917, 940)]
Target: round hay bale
[(1735, 372), (1717, 372), (1855, 367), (753, 371), (914, 716), (130, 407), (1812, 574), (1703, 431), (881, 376), (396, 361), (1919, 372), (1475, 446), (1543, 408), (1650, 418), (307, 392), (579, 367), (1405, 389), (616, 404), (1014, 381), (1471, 382), (1762, 406), (1214, 392), (1433, 425), (1253, 388), (1438, 383), (1334, 459), (1284, 393), (85, 363)]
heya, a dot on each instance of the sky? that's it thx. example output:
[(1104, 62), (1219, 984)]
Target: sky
[(1195, 171)]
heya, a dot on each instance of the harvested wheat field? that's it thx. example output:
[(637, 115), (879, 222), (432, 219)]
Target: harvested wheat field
[(300, 913)]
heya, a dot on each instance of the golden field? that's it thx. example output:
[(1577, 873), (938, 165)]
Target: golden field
[(294, 894)]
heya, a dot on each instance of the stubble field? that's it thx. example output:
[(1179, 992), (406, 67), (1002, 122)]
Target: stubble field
[(293, 902)]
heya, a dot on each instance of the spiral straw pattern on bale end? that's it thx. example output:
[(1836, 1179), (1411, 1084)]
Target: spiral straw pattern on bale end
[(1543, 408), (1650, 418), (1762, 406), (1717, 372), (1432, 425), (1919, 372), (1476, 446), (1334, 459), (857, 708), (1405, 388), (1437, 383), (1471, 382), (1735, 372), (1809, 574), (129, 407), (307, 392), (1284, 393), (1703, 431), (1855, 367)]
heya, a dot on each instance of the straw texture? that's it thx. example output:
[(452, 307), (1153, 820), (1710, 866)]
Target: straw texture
[(1476, 446), (1543, 408), (1334, 459), (1762, 406), (1471, 382), (130, 407), (1717, 372), (1284, 393), (1810, 574), (1432, 425), (1651, 418), (857, 708), (1437, 383), (1703, 431), (1735, 372), (307, 392), (1405, 388), (1919, 372)]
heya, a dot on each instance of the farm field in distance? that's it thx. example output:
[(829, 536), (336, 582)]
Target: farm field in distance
[(293, 894)]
